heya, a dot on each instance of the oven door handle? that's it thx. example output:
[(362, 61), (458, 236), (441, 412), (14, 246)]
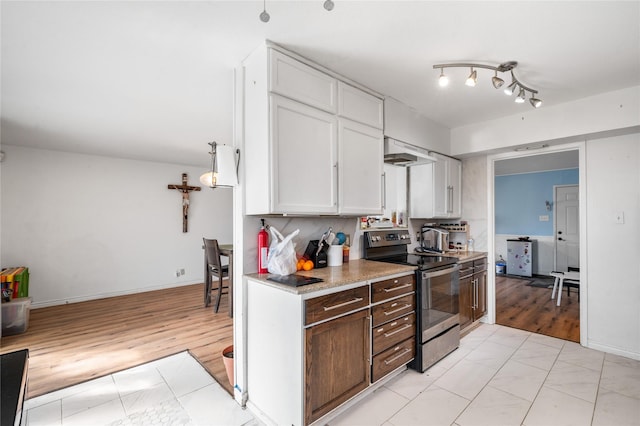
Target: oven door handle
[(427, 274)]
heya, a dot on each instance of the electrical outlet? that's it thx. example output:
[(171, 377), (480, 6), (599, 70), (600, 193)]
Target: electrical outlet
[(181, 271), (543, 218), (177, 272)]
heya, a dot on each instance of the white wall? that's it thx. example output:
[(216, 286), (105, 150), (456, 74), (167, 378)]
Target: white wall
[(90, 226), (613, 185), (606, 112)]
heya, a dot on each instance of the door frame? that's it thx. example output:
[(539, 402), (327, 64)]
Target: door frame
[(491, 226)]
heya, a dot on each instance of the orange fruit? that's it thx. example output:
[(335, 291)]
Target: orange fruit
[(308, 265)]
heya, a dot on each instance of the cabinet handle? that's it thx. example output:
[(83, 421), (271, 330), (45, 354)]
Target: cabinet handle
[(403, 328), (402, 308), (389, 290), (400, 355), (340, 305), (335, 200), (384, 191)]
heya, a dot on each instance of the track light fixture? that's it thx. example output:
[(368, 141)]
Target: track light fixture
[(264, 16), (516, 85)]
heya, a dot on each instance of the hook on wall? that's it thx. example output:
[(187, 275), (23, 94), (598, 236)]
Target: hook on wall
[(548, 204)]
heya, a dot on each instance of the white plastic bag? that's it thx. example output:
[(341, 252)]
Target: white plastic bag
[(282, 254)]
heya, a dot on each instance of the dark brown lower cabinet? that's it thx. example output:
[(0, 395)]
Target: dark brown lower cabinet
[(337, 362), (473, 291)]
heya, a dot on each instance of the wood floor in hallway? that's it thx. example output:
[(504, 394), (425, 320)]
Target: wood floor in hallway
[(73, 343), (531, 308)]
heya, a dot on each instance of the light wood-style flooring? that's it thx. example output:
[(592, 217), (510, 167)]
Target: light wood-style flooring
[(532, 309), (73, 343)]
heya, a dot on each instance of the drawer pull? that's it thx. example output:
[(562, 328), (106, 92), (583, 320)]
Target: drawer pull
[(397, 357), (340, 305), (397, 310), (403, 328), (388, 290)]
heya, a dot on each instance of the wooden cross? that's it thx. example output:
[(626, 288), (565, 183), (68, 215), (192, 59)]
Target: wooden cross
[(185, 189)]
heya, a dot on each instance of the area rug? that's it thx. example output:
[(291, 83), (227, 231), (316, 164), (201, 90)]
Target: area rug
[(541, 281)]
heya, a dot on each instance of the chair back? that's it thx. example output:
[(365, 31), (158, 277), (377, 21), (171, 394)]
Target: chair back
[(212, 251)]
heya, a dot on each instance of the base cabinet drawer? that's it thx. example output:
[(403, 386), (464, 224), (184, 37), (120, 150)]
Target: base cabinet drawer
[(388, 289), (393, 332), (392, 358), (387, 311), (335, 304)]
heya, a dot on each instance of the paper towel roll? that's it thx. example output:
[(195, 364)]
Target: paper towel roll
[(334, 257)]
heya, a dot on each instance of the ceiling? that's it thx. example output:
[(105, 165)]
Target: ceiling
[(154, 80)]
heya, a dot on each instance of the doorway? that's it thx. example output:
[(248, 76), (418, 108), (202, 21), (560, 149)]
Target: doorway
[(520, 301)]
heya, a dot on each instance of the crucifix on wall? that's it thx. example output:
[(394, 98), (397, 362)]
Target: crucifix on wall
[(185, 189)]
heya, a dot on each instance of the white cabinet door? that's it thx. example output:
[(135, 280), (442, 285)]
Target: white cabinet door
[(360, 168), (395, 192), (295, 80), (440, 187), (421, 191), (455, 187), (447, 191), (303, 158), (360, 106)]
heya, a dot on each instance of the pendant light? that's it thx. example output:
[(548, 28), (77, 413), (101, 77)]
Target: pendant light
[(224, 166), (264, 16)]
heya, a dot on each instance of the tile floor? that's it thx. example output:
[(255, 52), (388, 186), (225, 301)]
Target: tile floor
[(498, 376)]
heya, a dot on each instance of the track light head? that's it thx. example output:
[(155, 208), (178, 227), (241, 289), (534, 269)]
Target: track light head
[(497, 81), (520, 97), (328, 5), (510, 89), (472, 79), (535, 102), (443, 80)]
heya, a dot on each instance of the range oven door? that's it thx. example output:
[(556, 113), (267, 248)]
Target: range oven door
[(438, 333)]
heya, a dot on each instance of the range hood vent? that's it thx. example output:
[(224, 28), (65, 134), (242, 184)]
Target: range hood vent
[(403, 154)]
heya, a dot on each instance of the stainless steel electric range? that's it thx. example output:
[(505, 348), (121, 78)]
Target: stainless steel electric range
[(437, 293)]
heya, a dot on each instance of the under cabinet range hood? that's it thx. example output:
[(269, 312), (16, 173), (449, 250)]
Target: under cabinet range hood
[(404, 154)]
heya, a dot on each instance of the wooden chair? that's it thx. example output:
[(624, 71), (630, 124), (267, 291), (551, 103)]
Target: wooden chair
[(214, 270)]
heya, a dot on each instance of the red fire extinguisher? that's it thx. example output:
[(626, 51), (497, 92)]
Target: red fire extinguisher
[(263, 249)]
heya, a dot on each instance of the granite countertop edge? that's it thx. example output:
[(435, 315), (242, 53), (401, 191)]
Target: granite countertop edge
[(355, 271)]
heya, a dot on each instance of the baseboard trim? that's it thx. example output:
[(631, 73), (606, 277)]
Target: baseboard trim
[(613, 350), (67, 301)]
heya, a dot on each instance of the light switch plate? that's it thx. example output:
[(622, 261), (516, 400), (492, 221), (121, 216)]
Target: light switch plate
[(620, 217)]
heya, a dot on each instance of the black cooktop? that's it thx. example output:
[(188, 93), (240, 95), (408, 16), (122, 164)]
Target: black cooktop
[(421, 261)]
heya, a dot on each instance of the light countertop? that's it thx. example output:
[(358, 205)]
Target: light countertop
[(336, 276)]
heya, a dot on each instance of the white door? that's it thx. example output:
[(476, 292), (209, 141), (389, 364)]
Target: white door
[(567, 246)]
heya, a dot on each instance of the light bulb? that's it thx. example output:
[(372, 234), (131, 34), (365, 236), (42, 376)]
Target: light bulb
[(472, 79), (443, 80), (520, 98), (510, 89)]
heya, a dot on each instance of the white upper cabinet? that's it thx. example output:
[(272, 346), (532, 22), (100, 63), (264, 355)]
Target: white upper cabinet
[(360, 168), (304, 160), (360, 106), (300, 155), (295, 80), (435, 189)]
